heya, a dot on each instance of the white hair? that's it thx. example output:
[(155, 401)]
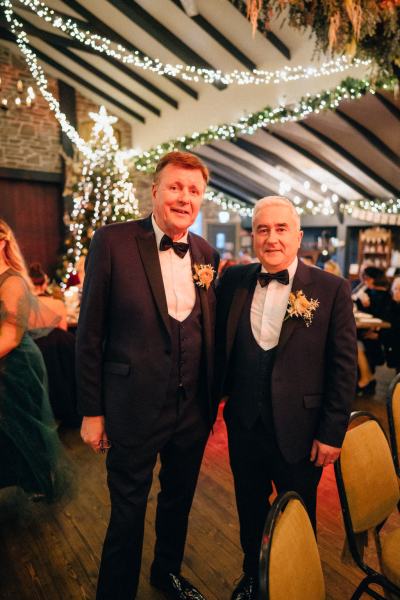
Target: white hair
[(276, 201)]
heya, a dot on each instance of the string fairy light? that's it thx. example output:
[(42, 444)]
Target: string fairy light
[(189, 73), (39, 76)]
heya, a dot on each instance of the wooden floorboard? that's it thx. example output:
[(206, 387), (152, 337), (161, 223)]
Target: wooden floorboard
[(53, 552)]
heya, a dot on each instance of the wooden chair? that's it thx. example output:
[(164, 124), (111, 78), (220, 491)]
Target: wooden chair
[(369, 492), (393, 413), (290, 565)]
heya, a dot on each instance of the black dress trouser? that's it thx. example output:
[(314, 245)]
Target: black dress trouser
[(179, 437), (256, 461)]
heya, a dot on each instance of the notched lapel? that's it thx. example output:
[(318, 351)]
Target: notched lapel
[(149, 255)]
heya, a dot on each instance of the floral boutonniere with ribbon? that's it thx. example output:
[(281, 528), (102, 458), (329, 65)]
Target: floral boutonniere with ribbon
[(302, 307), (203, 275)]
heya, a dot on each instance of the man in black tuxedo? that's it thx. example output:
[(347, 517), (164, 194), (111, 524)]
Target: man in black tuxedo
[(144, 360), (289, 371)]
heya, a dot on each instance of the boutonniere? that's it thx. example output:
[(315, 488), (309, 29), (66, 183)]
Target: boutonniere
[(203, 275), (300, 306)]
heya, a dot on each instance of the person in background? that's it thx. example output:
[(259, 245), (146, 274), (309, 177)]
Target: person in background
[(331, 266), (145, 348), (374, 299), (308, 260), (29, 445), (40, 281), (391, 337)]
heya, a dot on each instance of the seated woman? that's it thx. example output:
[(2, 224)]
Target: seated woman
[(391, 337), (28, 437), (374, 300), (40, 281)]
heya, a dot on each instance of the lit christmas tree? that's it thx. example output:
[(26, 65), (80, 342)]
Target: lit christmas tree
[(103, 194)]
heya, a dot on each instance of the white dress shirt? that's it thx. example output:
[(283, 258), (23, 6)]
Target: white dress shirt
[(177, 278), (268, 309)]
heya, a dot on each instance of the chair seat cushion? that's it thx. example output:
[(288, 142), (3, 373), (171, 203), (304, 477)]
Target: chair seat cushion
[(391, 556)]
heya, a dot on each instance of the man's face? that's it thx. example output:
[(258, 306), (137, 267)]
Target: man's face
[(396, 290), (177, 198), (276, 238)]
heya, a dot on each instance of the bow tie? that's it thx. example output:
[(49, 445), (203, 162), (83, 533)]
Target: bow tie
[(180, 248), (281, 276)]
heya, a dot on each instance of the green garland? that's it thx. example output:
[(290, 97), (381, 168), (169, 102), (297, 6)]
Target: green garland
[(349, 89)]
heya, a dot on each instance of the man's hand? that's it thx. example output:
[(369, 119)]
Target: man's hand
[(322, 454), (93, 433)]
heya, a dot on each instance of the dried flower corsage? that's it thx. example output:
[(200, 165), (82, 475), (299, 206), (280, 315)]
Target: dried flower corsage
[(300, 306), (203, 275)]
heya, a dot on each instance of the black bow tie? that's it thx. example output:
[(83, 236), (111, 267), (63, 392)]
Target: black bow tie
[(180, 248), (281, 276)]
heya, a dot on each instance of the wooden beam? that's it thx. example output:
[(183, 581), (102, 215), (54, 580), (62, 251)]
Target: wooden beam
[(236, 178), (218, 37), (133, 11), (370, 137), (318, 161), (224, 185), (349, 156), (387, 104), (98, 26)]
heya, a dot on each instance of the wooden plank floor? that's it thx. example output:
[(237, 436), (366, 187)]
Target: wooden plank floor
[(52, 552)]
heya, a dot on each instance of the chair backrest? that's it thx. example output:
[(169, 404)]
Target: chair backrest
[(290, 565), (365, 474), (393, 411)]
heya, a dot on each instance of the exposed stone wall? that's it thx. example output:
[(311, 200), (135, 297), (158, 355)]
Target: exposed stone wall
[(29, 137)]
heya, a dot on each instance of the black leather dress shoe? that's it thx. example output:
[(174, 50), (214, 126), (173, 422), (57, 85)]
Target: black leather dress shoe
[(176, 587), (246, 589)]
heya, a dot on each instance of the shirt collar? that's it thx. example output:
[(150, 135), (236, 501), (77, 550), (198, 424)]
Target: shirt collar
[(291, 268), (159, 232)]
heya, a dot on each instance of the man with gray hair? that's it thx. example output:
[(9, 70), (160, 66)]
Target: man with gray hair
[(287, 360)]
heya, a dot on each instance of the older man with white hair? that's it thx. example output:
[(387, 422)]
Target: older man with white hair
[(286, 359)]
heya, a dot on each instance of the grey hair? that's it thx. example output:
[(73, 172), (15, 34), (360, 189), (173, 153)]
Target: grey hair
[(276, 201)]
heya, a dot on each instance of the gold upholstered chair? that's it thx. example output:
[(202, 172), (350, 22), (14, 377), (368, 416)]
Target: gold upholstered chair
[(290, 567), (393, 412), (369, 492)]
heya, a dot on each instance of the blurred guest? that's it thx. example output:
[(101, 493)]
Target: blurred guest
[(308, 260), (40, 281), (28, 437), (226, 261), (333, 267), (391, 337), (245, 258), (375, 298)]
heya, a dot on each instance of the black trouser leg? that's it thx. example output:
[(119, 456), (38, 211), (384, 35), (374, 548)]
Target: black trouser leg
[(129, 481), (180, 465), (252, 489)]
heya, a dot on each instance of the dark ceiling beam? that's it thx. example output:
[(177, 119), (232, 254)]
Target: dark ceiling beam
[(62, 44), (274, 160), (253, 170), (241, 6), (133, 11), (387, 104), (370, 137), (349, 156), (218, 37), (224, 185), (97, 26), (338, 174), (236, 178)]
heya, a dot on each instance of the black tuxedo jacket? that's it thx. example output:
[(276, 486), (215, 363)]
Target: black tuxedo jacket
[(123, 352), (314, 374)]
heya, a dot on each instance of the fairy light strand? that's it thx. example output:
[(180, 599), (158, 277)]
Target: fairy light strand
[(189, 73)]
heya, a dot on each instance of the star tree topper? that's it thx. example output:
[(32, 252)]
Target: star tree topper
[(103, 121)]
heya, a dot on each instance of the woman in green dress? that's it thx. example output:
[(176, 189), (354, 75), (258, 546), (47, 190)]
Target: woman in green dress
[(29, 444)]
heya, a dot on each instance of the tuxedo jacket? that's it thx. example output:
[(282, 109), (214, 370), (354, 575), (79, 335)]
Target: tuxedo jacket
[(313, 379), (123, 352)]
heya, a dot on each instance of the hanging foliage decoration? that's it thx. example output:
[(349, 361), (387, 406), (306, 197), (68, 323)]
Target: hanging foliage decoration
[(365, 29)]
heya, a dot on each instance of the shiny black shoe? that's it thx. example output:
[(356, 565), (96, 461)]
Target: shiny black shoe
[(246, 589), (176, 587)]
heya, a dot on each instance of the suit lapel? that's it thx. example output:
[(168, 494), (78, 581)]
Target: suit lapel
[(238, 302), (302, 281), (151, 263)]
